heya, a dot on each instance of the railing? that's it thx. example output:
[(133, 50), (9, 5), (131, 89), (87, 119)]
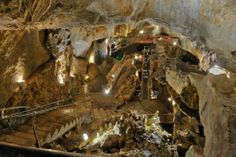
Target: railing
[(9, 150), (14, 108), (38, 110), (30, 112)]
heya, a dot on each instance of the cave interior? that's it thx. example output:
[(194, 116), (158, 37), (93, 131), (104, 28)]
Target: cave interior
[(116, 78)]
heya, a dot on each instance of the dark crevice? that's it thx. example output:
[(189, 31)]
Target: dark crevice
[(189, 58)]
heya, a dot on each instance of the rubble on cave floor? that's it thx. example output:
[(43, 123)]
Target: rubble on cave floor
[(130, 134)]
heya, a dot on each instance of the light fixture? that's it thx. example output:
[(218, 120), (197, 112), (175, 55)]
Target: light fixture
[(173, 103), (169, 99), (228, 75), (140, 57), (86, 77), (175, 43), (19, 79), (61, 82), (91, 58), (72, 75), (107, 91), (141, 31), (136, 57), (107, 40), (136, 73), (60, 79), (113, 75), (85, 136)]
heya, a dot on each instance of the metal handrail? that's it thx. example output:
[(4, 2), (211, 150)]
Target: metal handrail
[(43, 106), (36, 111), (40, 110), (32, 110), (19, 115), (28, 151), (13, 108)]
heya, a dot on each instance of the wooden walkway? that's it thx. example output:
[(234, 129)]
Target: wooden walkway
[(48, 126)]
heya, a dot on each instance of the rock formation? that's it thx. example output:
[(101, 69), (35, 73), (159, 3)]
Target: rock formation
[(35, 32)]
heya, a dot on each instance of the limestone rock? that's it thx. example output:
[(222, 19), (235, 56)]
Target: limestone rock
[(217, 111), (113, 143), (186, 131), (93, 71), (194, 151), (133, 134), (122, 79), (41, 88), (22, 53)]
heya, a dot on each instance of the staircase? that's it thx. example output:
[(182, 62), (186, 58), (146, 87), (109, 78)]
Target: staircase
[(145, 73), (49, 126)]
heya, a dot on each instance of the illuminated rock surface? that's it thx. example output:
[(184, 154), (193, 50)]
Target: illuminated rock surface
[(48, 49)]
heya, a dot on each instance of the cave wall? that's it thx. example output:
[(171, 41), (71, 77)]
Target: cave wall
[(41, 87), (22, 52), (216, 108), (217, 99)]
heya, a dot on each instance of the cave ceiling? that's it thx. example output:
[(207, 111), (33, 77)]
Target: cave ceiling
[(208, 22)]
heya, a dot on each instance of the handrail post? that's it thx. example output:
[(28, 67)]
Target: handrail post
[(3, 113), (8, 123), (59, 113), (76, 117), (34, 130)]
